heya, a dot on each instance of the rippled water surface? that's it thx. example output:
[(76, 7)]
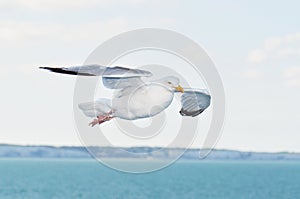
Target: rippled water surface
[(38, 178)]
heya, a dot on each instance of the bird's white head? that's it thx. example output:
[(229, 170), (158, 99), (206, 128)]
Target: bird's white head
[(172, 83)]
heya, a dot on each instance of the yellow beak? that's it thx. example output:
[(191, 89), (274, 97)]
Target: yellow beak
[(179, 88)]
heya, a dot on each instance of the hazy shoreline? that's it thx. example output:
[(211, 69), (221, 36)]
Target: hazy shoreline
[(144, 153)]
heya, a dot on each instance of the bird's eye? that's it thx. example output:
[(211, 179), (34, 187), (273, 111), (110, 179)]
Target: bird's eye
[(169, 82)]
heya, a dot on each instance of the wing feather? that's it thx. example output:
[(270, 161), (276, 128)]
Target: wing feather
[(116, 77), (194, 102), (98, 70)]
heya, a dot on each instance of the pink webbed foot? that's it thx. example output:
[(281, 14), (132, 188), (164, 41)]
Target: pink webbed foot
[(94, 122), (101, 118)]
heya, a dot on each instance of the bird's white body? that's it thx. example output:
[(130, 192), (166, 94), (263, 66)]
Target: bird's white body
[(144, 101), (135, 98)]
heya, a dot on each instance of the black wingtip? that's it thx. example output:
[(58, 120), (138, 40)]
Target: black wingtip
[(60, 70), (45, 68), (191, 113), (66, 71)]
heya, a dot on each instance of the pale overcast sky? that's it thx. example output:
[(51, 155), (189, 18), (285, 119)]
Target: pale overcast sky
[(254, 44)]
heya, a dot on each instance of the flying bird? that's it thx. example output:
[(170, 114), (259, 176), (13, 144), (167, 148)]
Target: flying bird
[(135, 98)]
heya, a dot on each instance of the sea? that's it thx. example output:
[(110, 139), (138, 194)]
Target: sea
[(88, 179)]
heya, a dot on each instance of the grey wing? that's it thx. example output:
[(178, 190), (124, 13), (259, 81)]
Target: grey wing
[(113, 77), (194, 102), (120, 77), (121, 83), (86, 70)]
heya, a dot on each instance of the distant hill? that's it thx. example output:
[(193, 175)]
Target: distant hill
[(16, 151)]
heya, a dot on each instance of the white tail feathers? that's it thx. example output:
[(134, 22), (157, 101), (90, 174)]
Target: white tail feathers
[(93, 109)]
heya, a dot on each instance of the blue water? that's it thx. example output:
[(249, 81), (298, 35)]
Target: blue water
[(89, 179)]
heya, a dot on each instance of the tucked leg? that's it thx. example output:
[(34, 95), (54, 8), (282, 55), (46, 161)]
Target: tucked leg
[(101, 118)]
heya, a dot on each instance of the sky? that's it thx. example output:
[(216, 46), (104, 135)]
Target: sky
[(255, 46)]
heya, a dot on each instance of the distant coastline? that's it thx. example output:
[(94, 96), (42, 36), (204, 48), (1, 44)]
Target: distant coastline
[(18, 151)]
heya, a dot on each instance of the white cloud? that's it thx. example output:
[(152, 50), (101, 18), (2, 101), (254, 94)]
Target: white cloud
[(277, 50), (272, 43), (18, 32), (24, 38), (47, 5), (277, 47), (252, 74), (292, 37), (288, 51), (34, 42), (291, 76), (15, 33), (65, 5), (257, 56)]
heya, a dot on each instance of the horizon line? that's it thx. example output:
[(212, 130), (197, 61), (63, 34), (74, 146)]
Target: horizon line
[(213, 149)]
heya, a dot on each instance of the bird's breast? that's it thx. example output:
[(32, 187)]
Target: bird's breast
[(146, 101)]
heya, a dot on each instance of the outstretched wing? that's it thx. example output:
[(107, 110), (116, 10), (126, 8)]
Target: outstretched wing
[(112, 77), (194, 102)]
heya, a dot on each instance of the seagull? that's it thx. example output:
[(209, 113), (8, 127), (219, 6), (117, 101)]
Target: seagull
[(135, 98)]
